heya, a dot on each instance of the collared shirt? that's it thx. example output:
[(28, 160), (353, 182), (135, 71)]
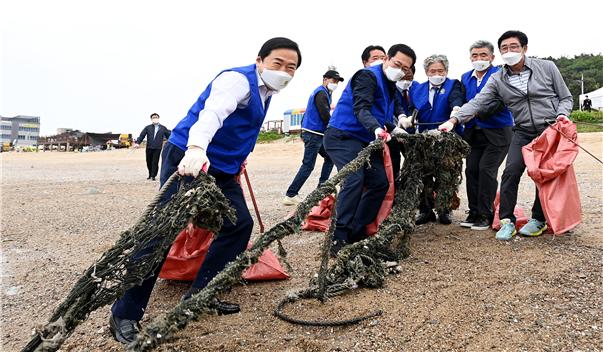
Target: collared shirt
[(432, 92), (479, 80), (229, 91), (156, 130), (549, 96), (520, 80)]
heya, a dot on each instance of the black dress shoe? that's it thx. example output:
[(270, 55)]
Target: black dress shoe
[(445, 219), (123, 330), (424, 218), (153, 178), (148, 178)]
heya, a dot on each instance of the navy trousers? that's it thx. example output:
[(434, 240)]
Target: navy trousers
[(362, 192), (224, 248), (312, 148)]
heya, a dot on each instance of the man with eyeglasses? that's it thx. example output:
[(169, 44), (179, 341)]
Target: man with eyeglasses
[(364, 113), (536, 95)]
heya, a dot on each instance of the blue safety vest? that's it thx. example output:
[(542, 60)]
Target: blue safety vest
[(233, 142), (312, 120), (344, 119), (498, 120), (439, 112)]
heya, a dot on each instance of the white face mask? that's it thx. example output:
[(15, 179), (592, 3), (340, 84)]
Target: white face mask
[(275, 80), (332, 86), (480, 65), (155, 121), (394, 74), (375, 63), (403, 84), (437, 80), (511, 58)]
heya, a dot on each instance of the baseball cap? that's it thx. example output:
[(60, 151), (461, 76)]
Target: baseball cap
[(333, 74)]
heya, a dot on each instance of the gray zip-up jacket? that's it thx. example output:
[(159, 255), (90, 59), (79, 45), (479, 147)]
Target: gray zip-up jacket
[(547, 96)]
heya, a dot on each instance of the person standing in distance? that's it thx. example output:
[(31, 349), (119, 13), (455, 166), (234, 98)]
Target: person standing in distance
[(315, 121), (155, 134)]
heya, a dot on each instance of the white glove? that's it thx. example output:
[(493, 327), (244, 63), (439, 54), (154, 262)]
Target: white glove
[(381, 133), (446, 126), (398, 132), (194, 161), (455, 111), (136, 145), (563, 118), (404, 121)]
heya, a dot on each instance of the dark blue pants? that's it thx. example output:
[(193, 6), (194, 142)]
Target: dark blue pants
[(362, 192), (509, 184), (231, 242), (312, 148)]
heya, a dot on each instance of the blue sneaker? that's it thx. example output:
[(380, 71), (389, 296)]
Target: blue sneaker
[(507, 230), (533, 228)]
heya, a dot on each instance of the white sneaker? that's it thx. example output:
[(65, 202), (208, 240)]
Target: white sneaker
[(295, 200)]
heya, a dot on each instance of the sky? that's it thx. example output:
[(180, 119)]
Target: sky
[(105, 66)]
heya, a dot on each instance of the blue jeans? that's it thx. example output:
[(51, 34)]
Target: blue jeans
[(362, 192), (312, 148), (231, 242)]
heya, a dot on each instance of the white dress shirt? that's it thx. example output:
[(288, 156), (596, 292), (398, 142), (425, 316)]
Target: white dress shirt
[(229, 91), (432, 90)]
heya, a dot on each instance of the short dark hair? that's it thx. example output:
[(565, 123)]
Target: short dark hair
[(154, 114), (366, 54), (404, 49), (521, 36), (279, 43)]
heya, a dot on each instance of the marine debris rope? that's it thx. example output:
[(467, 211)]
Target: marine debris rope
[(359, 264), (366, 263), (119, 269)]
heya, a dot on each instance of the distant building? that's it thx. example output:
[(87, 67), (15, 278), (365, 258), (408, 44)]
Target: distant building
[(292, 120), (24, 130)]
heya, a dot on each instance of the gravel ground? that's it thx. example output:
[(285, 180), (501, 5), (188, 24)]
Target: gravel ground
[(459, 290)]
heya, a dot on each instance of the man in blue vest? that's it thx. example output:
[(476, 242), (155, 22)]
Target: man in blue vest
[(216, 136), (154, 133), (315, 122), (489, 136), (367, 105), (436, 100)]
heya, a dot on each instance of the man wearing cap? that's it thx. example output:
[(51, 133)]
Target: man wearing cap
[(315, 121)]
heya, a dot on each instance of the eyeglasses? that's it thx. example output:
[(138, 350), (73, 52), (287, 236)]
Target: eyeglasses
[(511, 47)]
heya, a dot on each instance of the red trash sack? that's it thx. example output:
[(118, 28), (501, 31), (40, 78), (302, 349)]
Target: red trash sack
[(319, 218), (549, 160), (388, 201), (520, 218), (186, 254), (267, 268)]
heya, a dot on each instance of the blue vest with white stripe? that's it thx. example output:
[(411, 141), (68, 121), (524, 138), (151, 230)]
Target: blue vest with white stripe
[(439, 112), (498, 120), (233, 142), (312, 120), (343, 117)]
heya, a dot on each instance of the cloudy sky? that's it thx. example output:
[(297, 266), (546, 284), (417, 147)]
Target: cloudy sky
[(104, 66)]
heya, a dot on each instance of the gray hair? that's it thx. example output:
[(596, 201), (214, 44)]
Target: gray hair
[(482, 44), (435, 58)]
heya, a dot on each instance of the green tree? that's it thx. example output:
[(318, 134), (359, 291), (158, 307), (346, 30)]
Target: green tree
[(572, 69)]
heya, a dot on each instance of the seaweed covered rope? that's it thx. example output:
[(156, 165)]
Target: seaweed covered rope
[(163, 329), (118, 269), (366, 263)]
